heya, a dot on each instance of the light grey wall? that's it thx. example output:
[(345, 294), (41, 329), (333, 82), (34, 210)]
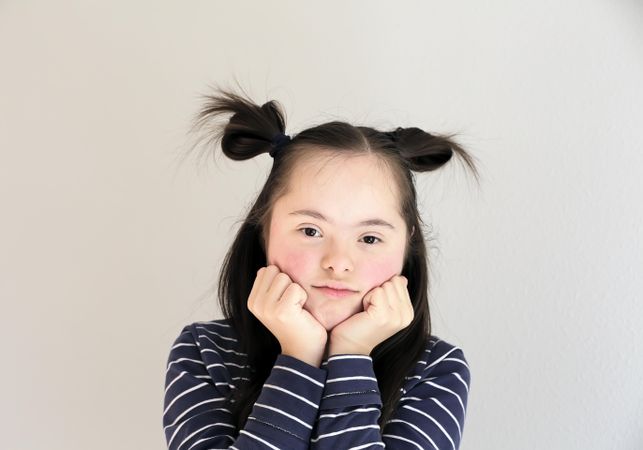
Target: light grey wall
[(109, 245)]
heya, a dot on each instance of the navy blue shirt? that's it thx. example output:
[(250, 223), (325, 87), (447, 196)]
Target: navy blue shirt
[(334, 406)]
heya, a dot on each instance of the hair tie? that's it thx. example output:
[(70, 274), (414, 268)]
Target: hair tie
[(278, 142), (394, 135)]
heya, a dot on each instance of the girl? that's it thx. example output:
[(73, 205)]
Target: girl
[(326, 341)]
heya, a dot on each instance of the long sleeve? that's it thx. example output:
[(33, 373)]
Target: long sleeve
[(199, 378), (429, 415)]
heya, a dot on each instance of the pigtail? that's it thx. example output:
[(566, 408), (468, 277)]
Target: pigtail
[(426, 152), (249, 131)]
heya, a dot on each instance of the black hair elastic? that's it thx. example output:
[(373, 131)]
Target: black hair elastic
[(278, 142)]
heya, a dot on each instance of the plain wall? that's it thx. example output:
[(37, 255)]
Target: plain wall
[(110, 243)]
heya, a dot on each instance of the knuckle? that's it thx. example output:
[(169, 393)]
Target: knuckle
[(281, 276)]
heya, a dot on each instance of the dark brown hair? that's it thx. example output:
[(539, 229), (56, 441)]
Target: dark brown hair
[(248, 133)]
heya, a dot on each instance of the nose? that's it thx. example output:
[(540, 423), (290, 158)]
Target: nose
[(337, 258)]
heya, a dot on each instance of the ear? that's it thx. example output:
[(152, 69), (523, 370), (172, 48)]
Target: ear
[(412, 231)]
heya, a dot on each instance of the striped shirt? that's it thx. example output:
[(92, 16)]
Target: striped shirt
[(335, 406)]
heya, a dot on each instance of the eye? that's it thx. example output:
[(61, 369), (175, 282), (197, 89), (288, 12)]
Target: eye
[(367, 239), (308, 231)]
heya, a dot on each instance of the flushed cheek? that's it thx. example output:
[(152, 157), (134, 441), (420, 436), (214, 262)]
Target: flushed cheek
[(294, 263), (376, 273)]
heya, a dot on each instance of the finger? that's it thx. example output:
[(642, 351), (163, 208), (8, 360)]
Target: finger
[(294, 295), (392, 295), (401, 286), (376, 300), (264, 278), (270, 273), (279, 284), (367, 300), (405, 299), (398, 299), (256, 286)]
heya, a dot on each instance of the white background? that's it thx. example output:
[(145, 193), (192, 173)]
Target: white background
[(110, 243)]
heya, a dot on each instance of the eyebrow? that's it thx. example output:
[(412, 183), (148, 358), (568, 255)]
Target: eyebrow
[(320, 216)]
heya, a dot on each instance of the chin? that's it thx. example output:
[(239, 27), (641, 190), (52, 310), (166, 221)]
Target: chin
[(331, 319), (330, 324)]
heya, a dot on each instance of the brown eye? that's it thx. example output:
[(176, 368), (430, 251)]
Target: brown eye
[(374, 239), (310, 232)]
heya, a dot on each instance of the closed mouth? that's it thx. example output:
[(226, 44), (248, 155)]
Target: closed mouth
[(336, 293)]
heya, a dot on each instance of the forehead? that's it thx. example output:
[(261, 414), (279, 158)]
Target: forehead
[(346, 187)]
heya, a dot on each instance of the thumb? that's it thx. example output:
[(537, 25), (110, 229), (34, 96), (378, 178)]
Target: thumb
[(367, 300)]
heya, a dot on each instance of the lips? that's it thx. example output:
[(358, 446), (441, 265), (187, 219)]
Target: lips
[(334, 293)]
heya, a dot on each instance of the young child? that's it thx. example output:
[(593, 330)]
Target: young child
[(326, 341)]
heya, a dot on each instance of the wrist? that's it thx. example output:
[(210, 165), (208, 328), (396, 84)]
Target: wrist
[(311, 358), (342, 347)]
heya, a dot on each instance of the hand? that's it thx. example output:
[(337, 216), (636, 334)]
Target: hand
[(387, 310), (278, 304)]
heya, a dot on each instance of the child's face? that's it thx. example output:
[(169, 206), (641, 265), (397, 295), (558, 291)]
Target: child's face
[(315, 252)]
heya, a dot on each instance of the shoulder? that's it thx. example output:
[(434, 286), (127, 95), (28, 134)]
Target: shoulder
[(441, 360), (217, 330), (214, 342), (211, 349), (214, 335)]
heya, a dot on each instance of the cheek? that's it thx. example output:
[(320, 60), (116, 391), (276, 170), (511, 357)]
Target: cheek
[(375, 273), (296, 264)]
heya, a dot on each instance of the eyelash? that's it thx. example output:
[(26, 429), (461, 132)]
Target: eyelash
[(311, 228)]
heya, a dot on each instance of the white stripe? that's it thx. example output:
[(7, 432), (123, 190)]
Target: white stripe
[(458, 360), (349, 357), (431, 418), (196, 432), (236, 365), (300, 374), (215, 365), (259, 439), (381, 444), (406, 440), (449, 413), (219, 347), (181, 426), (303, 399), (261, 405), (183, 345), (194, 388), (196, 406), (346, 430), (334, 380), (174, 381), (418, 430), (217, 334), (216, 322), (448, 390), (183, 359), (325, 416), (462, 380), (210, 438), (442, 357)]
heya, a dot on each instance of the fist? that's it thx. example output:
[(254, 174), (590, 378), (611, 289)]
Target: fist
[(277, 302), (387, 310)]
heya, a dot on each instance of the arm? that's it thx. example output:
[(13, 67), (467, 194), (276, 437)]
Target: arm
[(195, 416), (430, 415)]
